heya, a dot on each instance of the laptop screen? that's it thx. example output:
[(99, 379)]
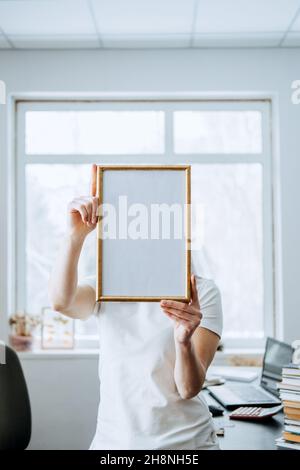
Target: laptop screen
[(277, 355)]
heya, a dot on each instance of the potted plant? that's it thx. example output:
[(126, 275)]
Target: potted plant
[(22, 325)]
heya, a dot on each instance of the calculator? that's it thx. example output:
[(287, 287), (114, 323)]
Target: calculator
[(254, 412)]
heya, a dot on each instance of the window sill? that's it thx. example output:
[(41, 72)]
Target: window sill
[(229, 357), (87, 353)]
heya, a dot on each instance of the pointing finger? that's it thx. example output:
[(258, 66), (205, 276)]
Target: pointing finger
[(94, 180), (95, 210)]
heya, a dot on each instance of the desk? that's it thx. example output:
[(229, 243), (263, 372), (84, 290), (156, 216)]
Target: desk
[(241, 435)]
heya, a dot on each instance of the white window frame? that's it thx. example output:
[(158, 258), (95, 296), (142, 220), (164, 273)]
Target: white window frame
[(167, 103)]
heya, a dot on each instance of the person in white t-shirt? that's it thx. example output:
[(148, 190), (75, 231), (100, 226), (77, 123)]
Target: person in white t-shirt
[(153, 356)]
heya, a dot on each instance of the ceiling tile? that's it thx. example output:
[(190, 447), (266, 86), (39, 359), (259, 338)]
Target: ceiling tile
[(291, 40), (233, 16), (237, 40), (22, 17), (55, 41), (144, 17)]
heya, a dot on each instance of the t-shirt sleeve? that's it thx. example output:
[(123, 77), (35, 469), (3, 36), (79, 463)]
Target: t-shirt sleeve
[(210, 305), (90, 281)]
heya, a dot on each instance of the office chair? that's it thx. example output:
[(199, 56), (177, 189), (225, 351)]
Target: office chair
[(15, 412)]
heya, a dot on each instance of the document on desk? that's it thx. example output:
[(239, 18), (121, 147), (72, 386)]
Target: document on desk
[(235, 374)]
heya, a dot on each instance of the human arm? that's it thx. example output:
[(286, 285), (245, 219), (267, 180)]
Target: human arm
[(195, 346), (65, 294)]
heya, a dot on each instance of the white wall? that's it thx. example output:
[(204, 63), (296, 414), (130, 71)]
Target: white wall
[(64, 396), (209, 70)]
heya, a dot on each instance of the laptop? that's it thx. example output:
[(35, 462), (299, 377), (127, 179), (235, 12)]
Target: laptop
[(233, 395)]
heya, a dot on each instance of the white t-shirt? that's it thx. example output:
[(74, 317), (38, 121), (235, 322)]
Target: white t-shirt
[(140, 407)]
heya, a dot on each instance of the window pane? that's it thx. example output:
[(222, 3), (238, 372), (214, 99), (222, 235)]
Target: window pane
[(48, 190), (94, 132), (227, 236), (227, 232), (217, 132)]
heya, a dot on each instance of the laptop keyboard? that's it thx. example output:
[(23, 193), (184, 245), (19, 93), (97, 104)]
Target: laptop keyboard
[(250, 393)]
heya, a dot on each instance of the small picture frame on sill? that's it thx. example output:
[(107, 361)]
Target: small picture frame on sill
[(58, 331)]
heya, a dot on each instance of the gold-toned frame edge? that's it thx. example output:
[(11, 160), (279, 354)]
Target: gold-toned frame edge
[(188, 232), (124, 298), (104, 298), (99, 232)]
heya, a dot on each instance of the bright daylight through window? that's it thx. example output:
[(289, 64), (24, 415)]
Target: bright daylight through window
[(225, 142)]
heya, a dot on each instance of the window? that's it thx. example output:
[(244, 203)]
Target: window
[(94, 132), (227, 144), (230, 132)]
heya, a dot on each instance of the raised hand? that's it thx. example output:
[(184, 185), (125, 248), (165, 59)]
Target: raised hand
[(83, 211), (186, 317)]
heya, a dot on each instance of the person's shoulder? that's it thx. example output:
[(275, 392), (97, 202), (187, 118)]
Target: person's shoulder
[(210, 305)]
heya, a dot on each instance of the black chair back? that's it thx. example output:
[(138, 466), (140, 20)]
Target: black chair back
[(15, 412)]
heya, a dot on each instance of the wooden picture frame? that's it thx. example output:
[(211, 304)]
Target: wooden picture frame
[(183, 177)]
